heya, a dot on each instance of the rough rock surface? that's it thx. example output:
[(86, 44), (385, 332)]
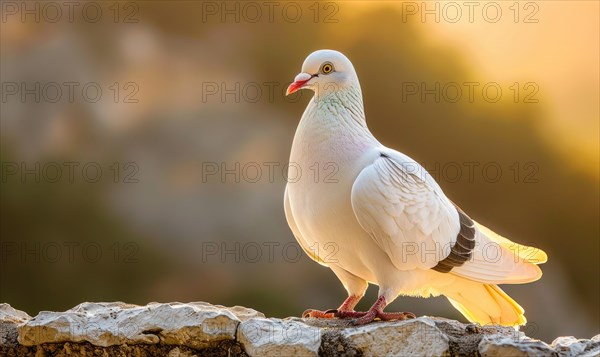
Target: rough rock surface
[(10, 318), (202, 329), (276, 337)]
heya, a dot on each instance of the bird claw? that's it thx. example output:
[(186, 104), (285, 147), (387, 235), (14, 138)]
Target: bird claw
[(318, 314), (349, 314), (359, 317), (331, 313), (388, 316), (370, 316)]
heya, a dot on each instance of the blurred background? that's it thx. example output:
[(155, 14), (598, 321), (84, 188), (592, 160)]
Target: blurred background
[(143, 144)]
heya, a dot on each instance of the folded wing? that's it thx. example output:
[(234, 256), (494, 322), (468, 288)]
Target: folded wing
[(406, 213)]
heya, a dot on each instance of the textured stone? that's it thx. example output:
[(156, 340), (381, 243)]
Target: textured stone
[(196, 325), (201, 329), (569, 346), (10, 319), (496, 345), (415, 337), (276, 337)]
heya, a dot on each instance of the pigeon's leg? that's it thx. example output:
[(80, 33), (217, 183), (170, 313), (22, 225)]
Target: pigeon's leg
[(346, 310), (350, 303), (355, 287), (376, 311)]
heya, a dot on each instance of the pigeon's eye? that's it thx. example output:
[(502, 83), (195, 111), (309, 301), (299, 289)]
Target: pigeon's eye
[(326, 68)]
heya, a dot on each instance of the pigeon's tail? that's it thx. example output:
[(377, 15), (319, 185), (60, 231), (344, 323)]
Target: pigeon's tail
[(484, 303)]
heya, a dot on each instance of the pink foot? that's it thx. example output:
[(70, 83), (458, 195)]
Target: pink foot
[(376, 311), (318, 314), (349, 314), (344, 311)]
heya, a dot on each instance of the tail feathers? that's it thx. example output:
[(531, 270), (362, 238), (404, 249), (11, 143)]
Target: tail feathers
[(485, 303), (527, 254), (497, 260)]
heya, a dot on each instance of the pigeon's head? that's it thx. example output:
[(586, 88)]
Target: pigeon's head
[(324, 70)]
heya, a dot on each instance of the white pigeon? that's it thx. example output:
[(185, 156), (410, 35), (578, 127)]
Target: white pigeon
[(374, 215)]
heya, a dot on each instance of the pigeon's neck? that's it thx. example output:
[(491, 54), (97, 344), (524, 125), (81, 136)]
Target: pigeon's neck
[(333, 130), (344, 107), (336, 119)]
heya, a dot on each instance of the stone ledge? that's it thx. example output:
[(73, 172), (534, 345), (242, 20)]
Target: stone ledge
[(201, 329)]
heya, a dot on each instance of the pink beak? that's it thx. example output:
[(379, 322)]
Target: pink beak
[(299, 82)]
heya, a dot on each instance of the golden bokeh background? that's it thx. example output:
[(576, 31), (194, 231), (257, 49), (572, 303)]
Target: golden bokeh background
[(188, 87)]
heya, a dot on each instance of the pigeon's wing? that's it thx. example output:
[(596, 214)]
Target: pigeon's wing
[(405, 211), (294, 227)]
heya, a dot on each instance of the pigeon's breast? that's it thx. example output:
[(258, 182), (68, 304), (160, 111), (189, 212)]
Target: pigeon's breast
[(324, 164)]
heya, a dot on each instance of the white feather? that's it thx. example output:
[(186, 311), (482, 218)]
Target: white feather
[(381, 218)]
